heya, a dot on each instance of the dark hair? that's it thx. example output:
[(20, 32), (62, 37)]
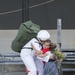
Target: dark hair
[(49, 41), (53, 46)]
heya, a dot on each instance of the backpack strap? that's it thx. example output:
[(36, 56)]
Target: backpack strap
[(30, 47), (36, 38), (27, 48)]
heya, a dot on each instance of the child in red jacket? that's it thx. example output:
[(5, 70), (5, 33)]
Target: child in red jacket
[(46, 53)]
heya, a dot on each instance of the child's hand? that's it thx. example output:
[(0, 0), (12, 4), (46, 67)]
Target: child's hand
[(59, 55), (60, 60)]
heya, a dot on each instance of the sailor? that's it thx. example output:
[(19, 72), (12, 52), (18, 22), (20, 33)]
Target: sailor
[(32, 63)]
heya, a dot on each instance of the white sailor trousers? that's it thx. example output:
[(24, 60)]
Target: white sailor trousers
[(32, 63)]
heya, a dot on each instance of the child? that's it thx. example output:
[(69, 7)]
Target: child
[(57, 53), (48, 49), (45, 52), (50, 67)]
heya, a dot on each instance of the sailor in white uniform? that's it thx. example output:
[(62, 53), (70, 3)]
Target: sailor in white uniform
[(32, 63)]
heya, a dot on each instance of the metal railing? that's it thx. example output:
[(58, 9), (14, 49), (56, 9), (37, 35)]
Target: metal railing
[(10, 63), (68, 64), (10, 58)]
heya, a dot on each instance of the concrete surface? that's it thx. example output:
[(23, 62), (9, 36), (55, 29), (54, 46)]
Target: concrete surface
[(6, 37), (14, 73), (12, 69)]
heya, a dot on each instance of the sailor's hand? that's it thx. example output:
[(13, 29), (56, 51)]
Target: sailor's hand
[(38, 52)]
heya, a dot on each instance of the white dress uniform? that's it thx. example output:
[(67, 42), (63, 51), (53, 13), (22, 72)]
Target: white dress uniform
[(32, 63), (30, 60)]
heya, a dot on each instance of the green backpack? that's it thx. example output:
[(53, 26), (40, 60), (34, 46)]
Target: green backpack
[(26, 32)]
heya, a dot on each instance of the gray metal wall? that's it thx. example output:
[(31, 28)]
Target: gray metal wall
[(43, 12)]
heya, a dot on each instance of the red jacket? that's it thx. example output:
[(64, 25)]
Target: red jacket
[(45, 50)]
